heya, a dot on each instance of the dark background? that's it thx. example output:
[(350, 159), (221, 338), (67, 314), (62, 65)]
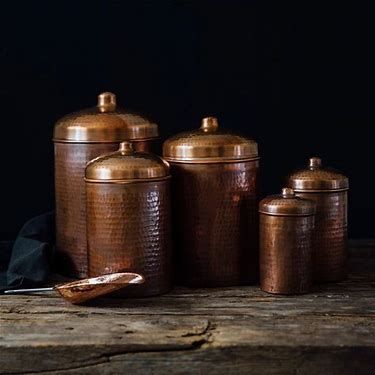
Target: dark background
[(299, 77)]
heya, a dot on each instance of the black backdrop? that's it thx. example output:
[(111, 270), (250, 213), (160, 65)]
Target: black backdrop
[(299, 77)]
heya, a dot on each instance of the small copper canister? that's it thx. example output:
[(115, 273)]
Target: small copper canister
[(215, 198), (128, 218), (78, 138), (286, 229), (329, 189)]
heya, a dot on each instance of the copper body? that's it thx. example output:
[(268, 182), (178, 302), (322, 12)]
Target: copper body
[(216, 229), (285, 253), (330, 235), (70, 195), (128, 228), (148, 145), (70, 163)]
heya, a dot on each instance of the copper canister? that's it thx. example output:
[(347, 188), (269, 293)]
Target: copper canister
[(78, 138), (286, 230), (329, 189), (128, 218), (215, 200)]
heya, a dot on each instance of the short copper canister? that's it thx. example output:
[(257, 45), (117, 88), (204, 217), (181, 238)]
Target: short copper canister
[(215, 200), (329, 190), (285, 234), (78, 138), (128, 218)]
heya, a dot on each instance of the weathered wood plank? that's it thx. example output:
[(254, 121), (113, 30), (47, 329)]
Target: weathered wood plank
[(231, 330), (235, 361)]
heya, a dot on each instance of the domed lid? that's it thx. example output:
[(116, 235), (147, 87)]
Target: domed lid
[(126, 165), (138, 126), (316, 178), (98, 124), (209, 144), (286, 204)]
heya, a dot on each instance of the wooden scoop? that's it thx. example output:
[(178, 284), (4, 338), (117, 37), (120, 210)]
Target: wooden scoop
[(84, 290)]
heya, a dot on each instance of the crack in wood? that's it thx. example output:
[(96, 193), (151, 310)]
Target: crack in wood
[(202, 332), (107, 357)]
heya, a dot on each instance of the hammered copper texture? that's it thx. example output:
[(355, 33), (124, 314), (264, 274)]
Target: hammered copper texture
[(317, 178), (149, 145), (285, 253), (126, 165), (216, 225), (209, 143), (129, 230), (70, 196), (70, 163), (330, 236)]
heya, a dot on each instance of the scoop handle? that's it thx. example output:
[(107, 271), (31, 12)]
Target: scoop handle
[(33, 290)]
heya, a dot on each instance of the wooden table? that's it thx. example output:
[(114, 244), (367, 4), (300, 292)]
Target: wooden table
[(205, 331)]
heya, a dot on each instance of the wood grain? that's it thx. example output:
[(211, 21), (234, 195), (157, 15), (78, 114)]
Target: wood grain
[(238, 330)]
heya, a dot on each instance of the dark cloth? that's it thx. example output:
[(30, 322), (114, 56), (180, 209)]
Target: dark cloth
[(28, 261)]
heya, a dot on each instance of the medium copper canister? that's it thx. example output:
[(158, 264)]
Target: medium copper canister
[(329, 189), (128, 218), (285, 234), (215, 200), (78, 138)]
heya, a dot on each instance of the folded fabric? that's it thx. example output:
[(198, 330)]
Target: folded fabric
[(5, 254), (30, 257)]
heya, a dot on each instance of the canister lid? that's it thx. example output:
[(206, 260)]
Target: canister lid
[(126, 165), (138, 126), (98, 124), (209, 144), (105, 123), (317, 178), (286, 204)]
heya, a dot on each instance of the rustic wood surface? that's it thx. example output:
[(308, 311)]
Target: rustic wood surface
[(204, 331)]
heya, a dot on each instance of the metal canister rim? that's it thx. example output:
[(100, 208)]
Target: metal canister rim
[(125, 182), (210, 161), (321, 190)]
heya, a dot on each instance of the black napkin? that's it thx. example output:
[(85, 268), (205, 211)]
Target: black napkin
[(28, 261)]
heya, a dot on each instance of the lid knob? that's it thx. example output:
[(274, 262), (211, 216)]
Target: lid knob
[(315, 162), (209, 124), (287, 192), (126, 148), (106, 102)]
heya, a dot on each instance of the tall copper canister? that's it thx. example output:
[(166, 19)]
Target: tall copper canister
[(78, 138), (285, 234), (128, 218), (215, 200), (329, 189)]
